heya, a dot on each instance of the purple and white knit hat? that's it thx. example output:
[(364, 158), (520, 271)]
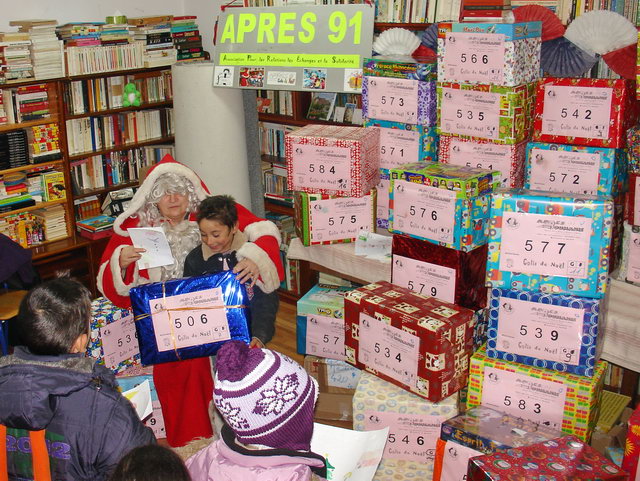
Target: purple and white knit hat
[(265, 397)]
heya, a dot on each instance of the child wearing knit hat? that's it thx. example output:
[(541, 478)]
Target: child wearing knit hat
[(267, 401)]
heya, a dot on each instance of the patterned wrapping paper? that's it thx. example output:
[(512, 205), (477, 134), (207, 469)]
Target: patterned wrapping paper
[(400, 66), (638, 69), (132, 377), (463, 230), (321, 300), (522, 44), (633, 147), (382, 199), (562, 458), (545, 208), (468, 270), (347, 156), (611, 176), (433, 339), (617, 232), (374, 396), (306, 217), (427, 141), (631, 459), (425, 113), (172, 325), (629, 272), (581, 399), (552, 342), (103, 313), (515, 121), (632, 201), (622, 115), (509, 160)]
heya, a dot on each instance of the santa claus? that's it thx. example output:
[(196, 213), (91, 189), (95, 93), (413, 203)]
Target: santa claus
[(168, 198)]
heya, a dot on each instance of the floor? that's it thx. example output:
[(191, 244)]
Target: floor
[(285, 339)]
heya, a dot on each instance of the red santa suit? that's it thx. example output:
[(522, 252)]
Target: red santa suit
[(185, 388)]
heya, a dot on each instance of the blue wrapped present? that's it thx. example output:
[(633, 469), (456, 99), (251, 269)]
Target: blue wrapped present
[(189, 318)]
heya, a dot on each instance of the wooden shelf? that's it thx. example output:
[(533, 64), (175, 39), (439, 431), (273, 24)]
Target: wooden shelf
[(164, 103), (281, 119), (278, 208), (39, 205), (104, 190), (274, 159), (91, 153), (112, 73), (59, 246), (22, 83), (52, 119), (28, 167)]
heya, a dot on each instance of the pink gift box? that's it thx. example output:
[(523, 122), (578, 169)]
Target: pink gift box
[(334, 160)]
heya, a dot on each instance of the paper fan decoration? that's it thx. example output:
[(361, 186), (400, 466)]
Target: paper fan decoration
[(561, 58), (423, 52), (601, 31), (551, 25), (430, 37), (396, 41), (623, 61)]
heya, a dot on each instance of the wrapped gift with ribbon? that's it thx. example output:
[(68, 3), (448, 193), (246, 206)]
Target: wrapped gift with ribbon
[(189, 318)]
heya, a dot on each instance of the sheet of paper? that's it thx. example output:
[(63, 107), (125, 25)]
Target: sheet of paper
[(373, 245), (140, 397), (352, 455), (155, 242)]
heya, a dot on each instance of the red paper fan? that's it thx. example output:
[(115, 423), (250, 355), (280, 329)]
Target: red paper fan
[(422, 52), (551, 25), (623, 61)]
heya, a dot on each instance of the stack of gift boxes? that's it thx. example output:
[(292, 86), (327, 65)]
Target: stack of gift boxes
[(398, 97)]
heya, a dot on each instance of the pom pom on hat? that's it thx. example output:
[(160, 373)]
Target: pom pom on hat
[(265, 397)]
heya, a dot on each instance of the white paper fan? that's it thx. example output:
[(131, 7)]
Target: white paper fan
[(601, 31), (396, 41)]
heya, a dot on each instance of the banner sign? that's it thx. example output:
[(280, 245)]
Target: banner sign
[(305, 47)]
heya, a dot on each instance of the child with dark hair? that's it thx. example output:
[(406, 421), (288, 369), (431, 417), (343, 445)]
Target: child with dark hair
[(267, 401), (151, 463), (218, 221), (60, 412)]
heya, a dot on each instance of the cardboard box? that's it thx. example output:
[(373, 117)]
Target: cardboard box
[(575, 169), (486, 112), (448, 274), (329, 219), (562, 458), (419, 208), (189, 318), (419, 343), (332, 159), (382, 200), (112, 340), (401, 66), (134, 376), (509, 160), (399, 100), (489, 53), (553, 243), (584, 111), (333, 376), (414, 426), (334, 409), (562, 333), (552, 398), (320, 321), (404, 143), (630, 462)]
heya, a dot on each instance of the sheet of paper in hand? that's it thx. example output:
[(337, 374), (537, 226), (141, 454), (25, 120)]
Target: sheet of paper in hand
[(155, 242)]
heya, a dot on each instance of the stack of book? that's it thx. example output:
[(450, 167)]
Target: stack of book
[(47, 51), (14, 149), (25, 229), (486, 11), (34, 185), (29, 103), (86, 207), (96, 227), (44, 143), (155, 34), (53, 220), (80, 34), (15, 57), (116, 33), (187, 39), (14, 185)]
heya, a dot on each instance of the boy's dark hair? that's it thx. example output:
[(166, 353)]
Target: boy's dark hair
[(53, 315), (151, 463), (219, 207)]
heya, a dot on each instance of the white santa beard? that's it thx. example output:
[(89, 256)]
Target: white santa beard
[(182, 238)]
